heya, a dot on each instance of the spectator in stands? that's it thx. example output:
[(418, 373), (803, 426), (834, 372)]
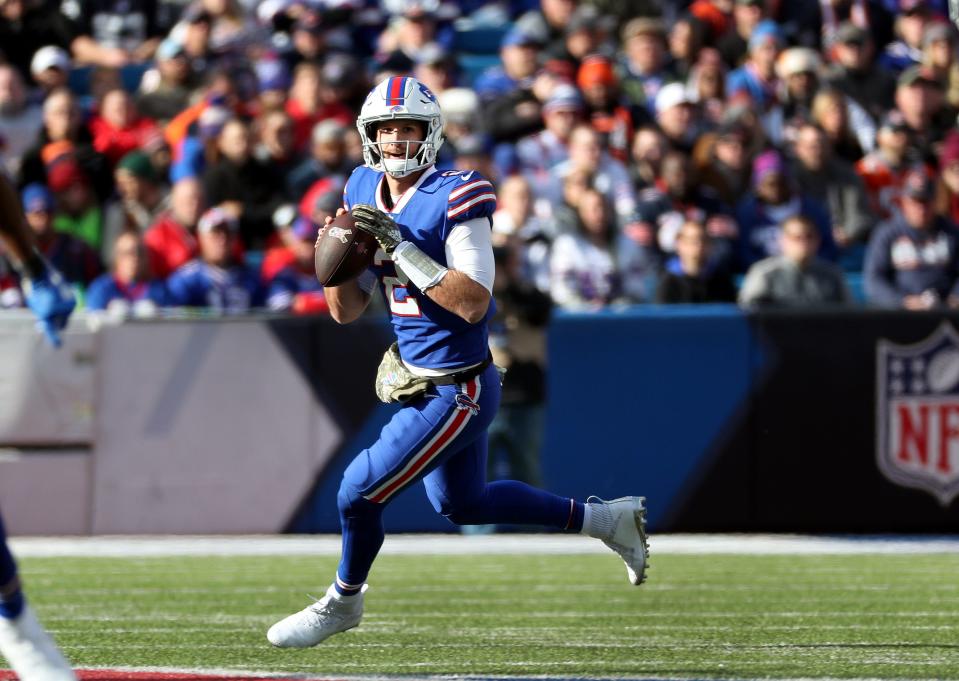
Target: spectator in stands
[(518, 54), (850, 131), (604, 111), (287, 270), (883, 169), (512, 95), (64, 134), (275, 146), (685, 40), (171, 240), (707, 85), (114, 34), (327, 157), (643, 68), (947, 186), (20, 121), (25, 27), (306, 106), (939, 54), (583, 36), (216, 280), (50, 68), (549, 23), (242, 185), (165, 90), (797, 277), (833, 182), (409, 32), (649, 148), (913, 258), (128, 289), (722, 162), (677, 198), (774, 199), (609, 176), (757, 77), (537, 154), (677, 116), (582, 266), (79, 213), (906, 50), (920, 99), (733, 45), (855, 73), (517, 226), (119, 128), (435, 68), (142, 198), (693, 281), (273, 84), (74, 259), (798, 69)]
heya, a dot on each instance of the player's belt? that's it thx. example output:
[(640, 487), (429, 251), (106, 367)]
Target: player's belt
[(462, 376)]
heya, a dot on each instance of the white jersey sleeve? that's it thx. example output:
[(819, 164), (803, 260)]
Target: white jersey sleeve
[(469, 249)]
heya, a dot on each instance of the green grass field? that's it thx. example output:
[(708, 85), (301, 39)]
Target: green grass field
[(708, 616)]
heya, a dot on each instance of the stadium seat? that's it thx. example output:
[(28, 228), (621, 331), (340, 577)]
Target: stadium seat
[(485, 40), (854, 280), (472, 65)]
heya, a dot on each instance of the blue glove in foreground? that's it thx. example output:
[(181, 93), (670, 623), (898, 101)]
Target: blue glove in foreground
[(51, 300)]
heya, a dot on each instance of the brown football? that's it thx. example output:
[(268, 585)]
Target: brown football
[(343, 251)]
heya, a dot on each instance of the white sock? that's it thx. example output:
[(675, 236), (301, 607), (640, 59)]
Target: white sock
[(597, 520)]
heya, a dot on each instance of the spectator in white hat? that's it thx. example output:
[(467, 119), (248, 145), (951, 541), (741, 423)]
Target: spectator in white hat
[(50, 68), (677, 116)]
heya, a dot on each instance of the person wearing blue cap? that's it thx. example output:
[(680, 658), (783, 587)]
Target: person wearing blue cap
[(536, 154), (518, 52), (757, 77)]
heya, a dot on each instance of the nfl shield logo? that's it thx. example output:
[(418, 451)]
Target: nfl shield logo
[(918, 413)]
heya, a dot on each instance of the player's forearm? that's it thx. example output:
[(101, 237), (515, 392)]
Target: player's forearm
[(15, 233), (347, 301), (461, 295)]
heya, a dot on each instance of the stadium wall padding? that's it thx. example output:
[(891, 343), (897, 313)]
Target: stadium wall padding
[(726, 421)]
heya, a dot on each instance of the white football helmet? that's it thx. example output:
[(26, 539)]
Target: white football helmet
[(402, 98)]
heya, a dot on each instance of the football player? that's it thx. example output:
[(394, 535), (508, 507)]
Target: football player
[(435, 271), (23, 642)]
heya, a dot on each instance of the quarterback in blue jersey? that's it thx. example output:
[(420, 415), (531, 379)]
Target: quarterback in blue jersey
[(435, 271), (26, 646)]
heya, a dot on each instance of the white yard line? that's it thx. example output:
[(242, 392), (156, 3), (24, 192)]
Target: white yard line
[(412, 544)]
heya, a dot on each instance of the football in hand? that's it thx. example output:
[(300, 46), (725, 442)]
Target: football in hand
[(343, 251)]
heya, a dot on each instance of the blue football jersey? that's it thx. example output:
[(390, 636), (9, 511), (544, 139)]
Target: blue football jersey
[(429, 336)]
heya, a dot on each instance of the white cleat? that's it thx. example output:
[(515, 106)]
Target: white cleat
[(314, 624), (30, 651), (624, 522)]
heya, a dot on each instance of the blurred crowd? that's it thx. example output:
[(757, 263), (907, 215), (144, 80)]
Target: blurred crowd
[(177, 154)]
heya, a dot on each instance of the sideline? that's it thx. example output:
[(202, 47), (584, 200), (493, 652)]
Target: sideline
[(454, 544)]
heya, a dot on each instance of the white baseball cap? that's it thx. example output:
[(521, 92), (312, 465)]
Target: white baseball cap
[(50, 57), (672, 95)]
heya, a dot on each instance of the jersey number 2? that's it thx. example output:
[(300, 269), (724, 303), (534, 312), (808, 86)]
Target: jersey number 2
[(402, 304)]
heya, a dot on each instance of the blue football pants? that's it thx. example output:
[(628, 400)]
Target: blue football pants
[(440, 439)]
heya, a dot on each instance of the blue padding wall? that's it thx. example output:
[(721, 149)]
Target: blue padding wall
[(638, 398)]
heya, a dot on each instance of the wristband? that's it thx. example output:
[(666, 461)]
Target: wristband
[(419, 268)]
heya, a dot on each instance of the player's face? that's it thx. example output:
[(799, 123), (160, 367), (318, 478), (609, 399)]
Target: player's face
[(393, 138)]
